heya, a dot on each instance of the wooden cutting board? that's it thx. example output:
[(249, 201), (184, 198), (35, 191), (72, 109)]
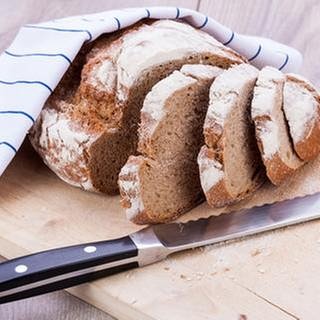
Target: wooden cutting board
[(271, 276)]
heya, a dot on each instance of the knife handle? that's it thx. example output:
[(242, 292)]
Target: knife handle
[(56, 269)]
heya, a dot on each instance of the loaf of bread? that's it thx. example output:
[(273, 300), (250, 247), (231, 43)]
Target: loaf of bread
[(163, 182), (301, 105), (88, 127), (229, 162), (272, 132)]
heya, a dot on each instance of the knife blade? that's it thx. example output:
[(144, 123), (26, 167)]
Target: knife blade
[(61, 268)]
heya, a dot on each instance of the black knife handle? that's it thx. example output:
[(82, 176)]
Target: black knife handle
[(56, 269)]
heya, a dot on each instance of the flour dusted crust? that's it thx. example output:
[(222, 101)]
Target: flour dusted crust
[(301, 103), (134, 182), (68, 144), (272, 131), (212, 178), (130, 188), (103, 97), (226, 94)]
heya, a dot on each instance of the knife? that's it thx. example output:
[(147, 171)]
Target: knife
[(61, 268)]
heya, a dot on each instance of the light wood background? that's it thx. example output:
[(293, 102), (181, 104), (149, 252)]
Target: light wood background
[(294, 22)]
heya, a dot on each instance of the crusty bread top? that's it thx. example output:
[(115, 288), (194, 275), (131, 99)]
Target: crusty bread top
[(120, 65), (201, 71), (114, 63), (301, 106)]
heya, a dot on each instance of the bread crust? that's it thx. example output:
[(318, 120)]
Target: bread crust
[(308, 147), (217, 196), (277, 170), (268, 99)]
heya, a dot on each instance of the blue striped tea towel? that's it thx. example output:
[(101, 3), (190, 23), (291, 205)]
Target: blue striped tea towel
[(34, 63)]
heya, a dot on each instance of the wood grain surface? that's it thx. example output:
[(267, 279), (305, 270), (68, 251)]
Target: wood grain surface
[(294, 22)]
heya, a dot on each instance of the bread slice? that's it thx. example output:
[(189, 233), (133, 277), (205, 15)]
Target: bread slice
[(164, 182), (271, 128), (301, 103), (86, 133), (229, 162)]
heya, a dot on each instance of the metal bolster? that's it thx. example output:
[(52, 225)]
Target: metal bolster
[(150, 249)]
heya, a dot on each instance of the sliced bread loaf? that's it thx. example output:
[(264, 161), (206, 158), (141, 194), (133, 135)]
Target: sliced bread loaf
[(229, 162), (86, 136), (271, 128), (164, 182), (301, 103)]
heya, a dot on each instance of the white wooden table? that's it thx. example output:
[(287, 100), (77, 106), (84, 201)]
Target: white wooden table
[(292, 22)]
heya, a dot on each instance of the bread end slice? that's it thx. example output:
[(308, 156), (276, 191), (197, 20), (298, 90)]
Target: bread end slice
[(301, 104)]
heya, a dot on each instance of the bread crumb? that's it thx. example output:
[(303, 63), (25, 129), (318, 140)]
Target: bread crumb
[(200, 275), (226, 269), (261, 270), (213, 273), (184, 277), (166, 268), (242, 317), (255, 252)]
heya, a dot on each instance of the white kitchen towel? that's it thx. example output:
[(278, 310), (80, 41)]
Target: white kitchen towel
[(41, 53)]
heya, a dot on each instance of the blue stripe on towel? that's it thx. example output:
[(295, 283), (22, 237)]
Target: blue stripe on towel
[(38, 55), (59, 29), (18, 112), (257, 53), (204, 23), (8, 145), (148, 13), (231, 38), (285, 62), (26, 82), (178, 13), (118, 22)]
